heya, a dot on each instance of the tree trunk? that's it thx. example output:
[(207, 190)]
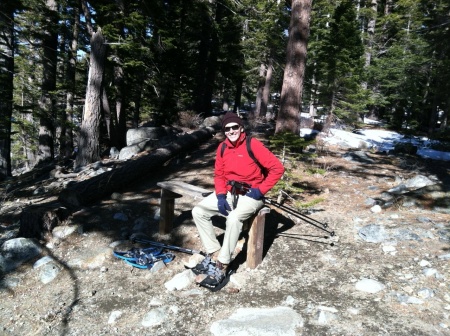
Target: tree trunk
[(66, 141), (95, 188), (444, 119), (203, 51), (211, 71), (110, 120), (6, 89), (37, 220), (120, 106), (291, 92), (266, 89), (47, 101), (330, 117), (89, 137), (371, 32), (259, 92)]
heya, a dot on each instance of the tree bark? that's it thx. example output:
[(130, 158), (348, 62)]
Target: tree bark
[(259, 92), (121, 130), (6, 89), (47, 101), (291, 92), (266, 89), (86, 192), (37, 220), (66, 141), (89, 137)]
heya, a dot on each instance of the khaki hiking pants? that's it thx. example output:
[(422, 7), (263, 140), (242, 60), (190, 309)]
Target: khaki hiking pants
[(207, 208)]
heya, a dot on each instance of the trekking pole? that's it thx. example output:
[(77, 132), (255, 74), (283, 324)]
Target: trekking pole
[(295, 213), (298, 213), (169, 247), (301, 237)]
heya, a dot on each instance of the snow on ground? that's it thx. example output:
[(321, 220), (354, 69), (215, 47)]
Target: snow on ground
[(381, 141)]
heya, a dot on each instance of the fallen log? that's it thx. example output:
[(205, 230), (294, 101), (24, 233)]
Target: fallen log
[(88, 191)]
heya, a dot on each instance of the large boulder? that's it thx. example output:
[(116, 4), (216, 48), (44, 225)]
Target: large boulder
[(143, 134)]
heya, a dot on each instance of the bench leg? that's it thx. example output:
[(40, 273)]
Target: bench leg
[(167, 207), (255, 241)]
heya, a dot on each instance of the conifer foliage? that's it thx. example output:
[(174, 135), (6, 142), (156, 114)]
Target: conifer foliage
[(344, 60)]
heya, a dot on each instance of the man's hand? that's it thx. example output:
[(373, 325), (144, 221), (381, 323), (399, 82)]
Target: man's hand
[(255, 193), (222, 204)]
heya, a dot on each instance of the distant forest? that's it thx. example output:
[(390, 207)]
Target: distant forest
[(77, 73)]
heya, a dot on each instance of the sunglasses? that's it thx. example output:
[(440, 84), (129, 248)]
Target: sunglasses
[(234, 128)]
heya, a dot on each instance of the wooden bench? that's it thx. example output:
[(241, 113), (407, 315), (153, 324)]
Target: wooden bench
[(170, 190)]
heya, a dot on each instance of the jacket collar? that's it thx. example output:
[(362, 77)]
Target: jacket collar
[(238, 143)]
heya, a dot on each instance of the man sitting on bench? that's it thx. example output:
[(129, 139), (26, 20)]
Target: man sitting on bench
[(245, 170)]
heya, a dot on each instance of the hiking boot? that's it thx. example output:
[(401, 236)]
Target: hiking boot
[(203, 266), (213, 277)]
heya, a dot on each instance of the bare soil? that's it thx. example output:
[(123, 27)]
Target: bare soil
[(303, 269)]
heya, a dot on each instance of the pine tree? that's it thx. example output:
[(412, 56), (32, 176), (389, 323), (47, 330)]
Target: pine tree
[(343, 67)]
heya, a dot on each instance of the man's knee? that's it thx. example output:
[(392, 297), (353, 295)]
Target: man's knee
[(233, 221), (196, 212)]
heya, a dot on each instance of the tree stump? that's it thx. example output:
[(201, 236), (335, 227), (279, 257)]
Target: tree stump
[(37, 220)]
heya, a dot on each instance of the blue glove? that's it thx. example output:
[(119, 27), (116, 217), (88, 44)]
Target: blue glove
[(222, 204), (255, 193)]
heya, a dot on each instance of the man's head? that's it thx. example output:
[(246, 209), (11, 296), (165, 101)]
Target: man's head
[(231, 117), (233, 126)]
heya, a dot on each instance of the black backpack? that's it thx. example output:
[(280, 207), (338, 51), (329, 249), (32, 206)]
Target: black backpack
[(248, 141)]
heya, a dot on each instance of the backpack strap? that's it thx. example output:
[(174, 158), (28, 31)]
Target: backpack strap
[(224, 145), (250, 153)]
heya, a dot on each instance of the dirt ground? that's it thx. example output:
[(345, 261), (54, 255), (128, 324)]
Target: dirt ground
[(300, 267)]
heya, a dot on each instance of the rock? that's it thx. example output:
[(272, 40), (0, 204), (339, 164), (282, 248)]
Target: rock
[(325, 317), (130, 151), (114, 316), (444, 256), (375, 209), (114, 153), (239, 279), (425, 293), (276, 321), (290, 301), (388, 248), (141, 134), (154, 317), (213, 121), (42, 261), (15, 252), (159, 265), (406, 234), (417, 182), (48, 272), (64, 231), (373, 233), (369, 286), (180, 281), (424, 263), (429, 272)]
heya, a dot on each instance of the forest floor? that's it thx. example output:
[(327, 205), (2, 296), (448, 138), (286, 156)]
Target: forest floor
[(97, 294)]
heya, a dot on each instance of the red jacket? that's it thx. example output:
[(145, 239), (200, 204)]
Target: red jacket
[(237, 165)]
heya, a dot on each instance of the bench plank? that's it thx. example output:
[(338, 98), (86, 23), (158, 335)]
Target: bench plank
[(184, 189)]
